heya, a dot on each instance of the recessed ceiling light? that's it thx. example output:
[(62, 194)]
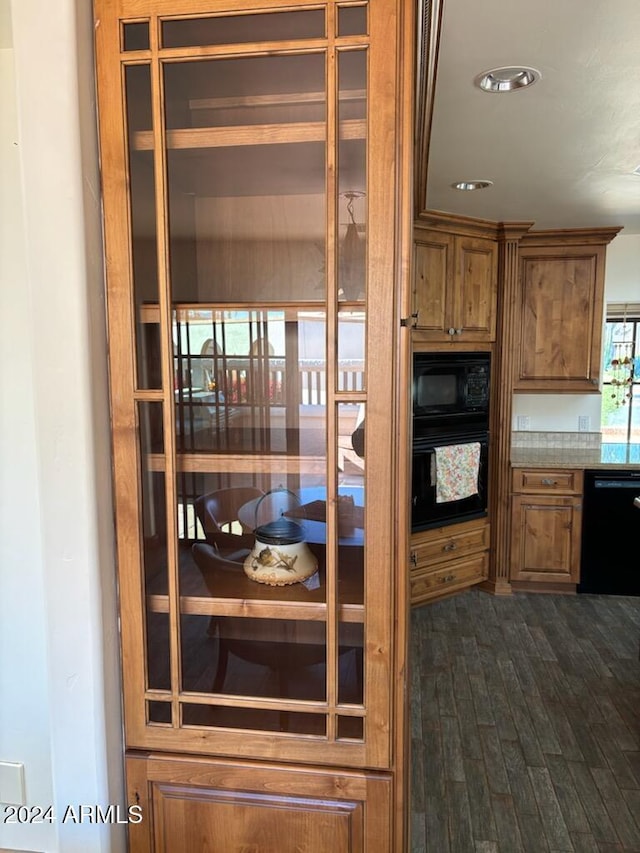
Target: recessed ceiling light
[(636, 171), (471, 185), (507, 79)]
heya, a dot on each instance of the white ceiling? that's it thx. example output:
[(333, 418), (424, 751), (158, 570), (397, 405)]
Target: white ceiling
[(560, 153)]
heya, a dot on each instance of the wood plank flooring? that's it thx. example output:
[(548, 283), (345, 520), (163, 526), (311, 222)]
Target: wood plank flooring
[(525, 715)]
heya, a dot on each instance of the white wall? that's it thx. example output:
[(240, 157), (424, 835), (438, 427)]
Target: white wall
[(59, 683), (622, 276), (561, 411)]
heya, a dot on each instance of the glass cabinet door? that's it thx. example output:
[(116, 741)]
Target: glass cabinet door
[(259, 214)]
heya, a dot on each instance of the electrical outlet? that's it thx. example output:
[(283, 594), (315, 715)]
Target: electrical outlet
[(12, 783), (584, 423), (524, 422)]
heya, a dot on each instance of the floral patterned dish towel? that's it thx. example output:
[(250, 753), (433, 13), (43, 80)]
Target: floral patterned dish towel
[(456, 471)]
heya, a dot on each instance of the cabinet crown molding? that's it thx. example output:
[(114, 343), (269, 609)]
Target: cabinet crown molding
[(571, 236), (451, 223)]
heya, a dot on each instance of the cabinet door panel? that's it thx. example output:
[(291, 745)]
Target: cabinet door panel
[(557, 322), (476, 289), (240, 821), (433, 268), (546, 539), (219, 806)]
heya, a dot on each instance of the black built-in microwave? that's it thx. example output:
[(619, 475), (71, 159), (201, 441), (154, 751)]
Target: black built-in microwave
[(450, 391)]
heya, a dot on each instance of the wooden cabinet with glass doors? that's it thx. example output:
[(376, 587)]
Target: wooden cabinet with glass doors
[(256, 232)]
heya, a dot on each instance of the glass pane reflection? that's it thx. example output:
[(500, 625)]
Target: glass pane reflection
[(143, 226), (254, 719), (250, 381), (350, 673), (275, 658), (246, 165), (351, 500), (270, 26), (351, 351), (352, 113), (352, 20), (136, 36)]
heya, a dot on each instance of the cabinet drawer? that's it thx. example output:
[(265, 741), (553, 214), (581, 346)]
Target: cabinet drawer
[(427, 584), (434, 547), (541, 482)]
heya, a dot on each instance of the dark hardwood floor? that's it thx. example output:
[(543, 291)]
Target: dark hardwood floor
[(525, 715)]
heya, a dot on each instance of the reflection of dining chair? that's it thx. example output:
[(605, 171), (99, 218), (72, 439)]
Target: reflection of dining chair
[(218, 515), (283, 646)]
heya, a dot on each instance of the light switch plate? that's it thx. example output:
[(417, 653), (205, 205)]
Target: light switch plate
[(584, 423), (12, 783), (524, 422)]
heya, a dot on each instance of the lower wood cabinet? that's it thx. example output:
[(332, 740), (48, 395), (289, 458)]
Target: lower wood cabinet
[(546, 529), (448, 559), (217, 805)]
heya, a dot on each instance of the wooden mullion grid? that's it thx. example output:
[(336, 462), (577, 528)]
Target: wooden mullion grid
[(228, 463), (256, 609), (232, 700), (166, 344), (136, 10), (249, 49), (331, 266), (149, 396), (226, 699)]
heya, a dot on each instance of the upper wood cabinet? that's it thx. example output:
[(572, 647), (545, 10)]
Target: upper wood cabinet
[(454, 284), (256, 164), (561, 292)]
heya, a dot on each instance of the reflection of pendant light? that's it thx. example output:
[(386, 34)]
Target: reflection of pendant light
[(622, 367), (351, 281)]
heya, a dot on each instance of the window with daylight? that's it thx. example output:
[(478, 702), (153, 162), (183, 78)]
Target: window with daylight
[(620, 420)]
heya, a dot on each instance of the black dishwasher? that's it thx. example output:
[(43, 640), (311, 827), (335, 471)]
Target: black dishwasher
[(611, 533)]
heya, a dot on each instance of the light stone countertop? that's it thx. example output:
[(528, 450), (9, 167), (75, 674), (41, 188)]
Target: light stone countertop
[(613, 456)]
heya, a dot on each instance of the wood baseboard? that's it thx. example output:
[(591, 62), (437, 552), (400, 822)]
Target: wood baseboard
[(496, 587), (541, 586)]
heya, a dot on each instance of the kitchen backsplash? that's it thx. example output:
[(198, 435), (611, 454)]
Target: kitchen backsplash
[(575, 440)]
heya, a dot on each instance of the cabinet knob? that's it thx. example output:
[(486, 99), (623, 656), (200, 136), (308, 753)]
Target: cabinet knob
[(450, 546), (452, 331), (447, 579), (548, 482), (413, 559), (458, 331)]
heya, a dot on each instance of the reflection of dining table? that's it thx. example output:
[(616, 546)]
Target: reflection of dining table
[(311, 514)]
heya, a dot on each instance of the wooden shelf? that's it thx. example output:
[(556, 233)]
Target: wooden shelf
[(277, 100), (295, 610), (250, 134), (238, 595), (229, 463)]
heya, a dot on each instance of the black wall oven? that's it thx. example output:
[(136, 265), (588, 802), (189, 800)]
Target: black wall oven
[(450, 438)]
